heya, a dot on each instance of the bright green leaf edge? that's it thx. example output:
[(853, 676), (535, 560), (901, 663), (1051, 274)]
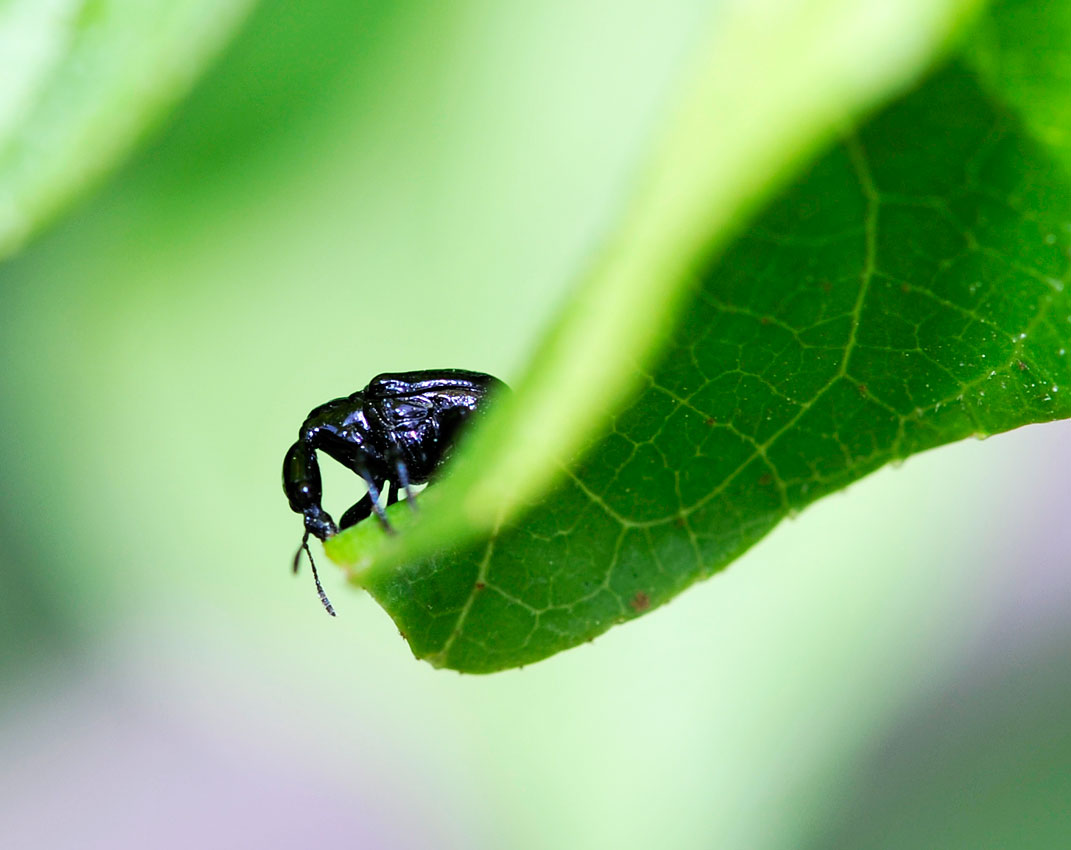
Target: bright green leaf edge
[(94, 75), (768, 87)]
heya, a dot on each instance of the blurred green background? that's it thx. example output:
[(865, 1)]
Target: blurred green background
[(359, 187)]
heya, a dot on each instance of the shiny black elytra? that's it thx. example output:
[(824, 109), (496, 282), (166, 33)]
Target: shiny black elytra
[(399, 428)]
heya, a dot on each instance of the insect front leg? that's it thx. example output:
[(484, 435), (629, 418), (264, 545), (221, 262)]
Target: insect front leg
[(369, 503)]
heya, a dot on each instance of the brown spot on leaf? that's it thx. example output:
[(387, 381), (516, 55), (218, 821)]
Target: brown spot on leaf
[(480, 585), (1022, 366), (827, 287), (765, 480), (640, 602), (862, 389)]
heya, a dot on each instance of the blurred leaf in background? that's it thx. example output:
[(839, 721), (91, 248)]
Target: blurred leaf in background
[(983, 765), (82, 81)]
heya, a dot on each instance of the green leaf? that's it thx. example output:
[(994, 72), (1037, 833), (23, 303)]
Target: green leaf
[(92, 75), (1022, 51), (902, 295), (770, 84)]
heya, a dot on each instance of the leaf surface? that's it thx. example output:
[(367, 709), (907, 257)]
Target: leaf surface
[(768, 84), (902, 295)]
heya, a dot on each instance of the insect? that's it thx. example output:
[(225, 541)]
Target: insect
[(400, 428)]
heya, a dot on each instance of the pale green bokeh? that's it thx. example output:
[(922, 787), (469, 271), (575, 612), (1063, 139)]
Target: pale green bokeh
[(279, 244), (79, 82)]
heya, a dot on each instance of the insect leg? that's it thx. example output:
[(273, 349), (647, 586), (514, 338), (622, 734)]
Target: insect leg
[(361, 509), (403, 481), (368, 503), (373, 494)]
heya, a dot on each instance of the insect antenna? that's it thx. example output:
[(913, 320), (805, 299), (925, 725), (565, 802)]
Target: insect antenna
[(315, 576)]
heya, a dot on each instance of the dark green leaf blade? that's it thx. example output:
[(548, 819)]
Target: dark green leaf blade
[(904, 294)]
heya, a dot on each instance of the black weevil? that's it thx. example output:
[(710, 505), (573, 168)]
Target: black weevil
[(399, 428)]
